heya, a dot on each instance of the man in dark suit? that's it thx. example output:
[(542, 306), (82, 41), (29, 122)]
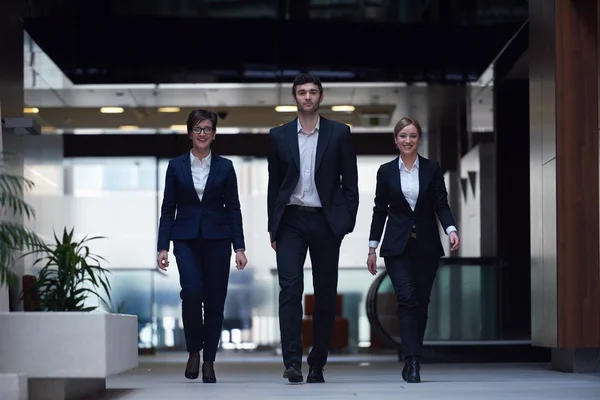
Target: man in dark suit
[(312, 204)]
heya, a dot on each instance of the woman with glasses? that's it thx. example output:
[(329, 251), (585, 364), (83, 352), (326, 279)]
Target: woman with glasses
[(201, 215)]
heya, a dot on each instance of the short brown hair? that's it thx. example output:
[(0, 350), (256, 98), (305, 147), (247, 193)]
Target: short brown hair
[(406, 121), (199, 115), (304, 79)]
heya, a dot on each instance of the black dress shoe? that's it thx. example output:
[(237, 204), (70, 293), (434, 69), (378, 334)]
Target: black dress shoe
[(208, 372), (293, 374), (405, 371), (315, 375), (413, 375), (192, 369)]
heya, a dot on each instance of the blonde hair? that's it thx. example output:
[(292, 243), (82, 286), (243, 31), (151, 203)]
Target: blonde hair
[(404, 122)]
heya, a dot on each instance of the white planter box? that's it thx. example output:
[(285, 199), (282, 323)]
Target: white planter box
[(4, 299), (52, 348), (13, 387)]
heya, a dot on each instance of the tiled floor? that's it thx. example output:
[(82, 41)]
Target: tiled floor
[(250, 377)]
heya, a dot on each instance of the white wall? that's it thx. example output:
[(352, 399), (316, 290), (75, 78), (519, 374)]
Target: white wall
[(470, 218), (477, 202)]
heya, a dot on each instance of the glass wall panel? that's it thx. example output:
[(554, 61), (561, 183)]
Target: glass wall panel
[(115, 198), (120, 198), (132, 292)]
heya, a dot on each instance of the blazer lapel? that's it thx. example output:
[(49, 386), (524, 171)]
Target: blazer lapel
[(323, 140), (214, 170), (423, 179), (292, 138), (186, 169), (397, 181)]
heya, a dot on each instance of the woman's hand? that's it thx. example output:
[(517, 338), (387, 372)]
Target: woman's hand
[(240, 260), (163, 260), (454, 240), (372, 262)]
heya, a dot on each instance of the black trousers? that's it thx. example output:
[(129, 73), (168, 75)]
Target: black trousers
[(301, 231), (412, 275), (204, 277)]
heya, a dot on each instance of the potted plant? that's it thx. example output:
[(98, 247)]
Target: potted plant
[(71, 273)]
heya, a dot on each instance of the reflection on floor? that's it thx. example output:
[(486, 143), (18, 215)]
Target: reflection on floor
[(258, 376)]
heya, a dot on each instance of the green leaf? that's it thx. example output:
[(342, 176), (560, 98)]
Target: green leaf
[(71, 274), (14, 237)]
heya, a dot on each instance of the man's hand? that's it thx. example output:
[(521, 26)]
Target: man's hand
[(454, 240), (372, 263), (274, 246), (240, 260), (163, 260)]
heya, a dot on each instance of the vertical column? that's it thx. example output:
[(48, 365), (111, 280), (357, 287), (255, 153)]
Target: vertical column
[(11, 58), (511, 137), (447, 134), (511, 141), (564, 167), (447, 124), (11, 90), (577, 173)]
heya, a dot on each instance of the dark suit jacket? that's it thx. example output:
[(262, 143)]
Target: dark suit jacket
[(217, 216), (336, 174), (391, 204)]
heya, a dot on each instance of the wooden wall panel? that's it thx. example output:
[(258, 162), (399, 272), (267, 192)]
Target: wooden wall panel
[(577, 174), (564, 174)]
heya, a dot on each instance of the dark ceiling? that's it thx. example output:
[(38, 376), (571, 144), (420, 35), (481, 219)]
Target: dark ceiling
[(133, 41)]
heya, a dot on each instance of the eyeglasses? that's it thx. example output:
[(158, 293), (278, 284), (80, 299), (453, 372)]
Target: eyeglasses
[(207, 129)]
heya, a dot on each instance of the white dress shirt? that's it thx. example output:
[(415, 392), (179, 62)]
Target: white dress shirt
[(305, 193), (409, 181), (200, 171)]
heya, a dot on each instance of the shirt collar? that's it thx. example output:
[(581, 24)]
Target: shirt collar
[(205, 161), (299, 127), (401, 163)]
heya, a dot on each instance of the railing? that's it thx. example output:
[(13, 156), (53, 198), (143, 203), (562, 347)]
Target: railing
[(466, 305)]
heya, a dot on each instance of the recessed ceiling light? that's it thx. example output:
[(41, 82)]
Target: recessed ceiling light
[(178, 128), (169, 109), (111, 110), (129, 127), (342, 108), (31, 110), (286, 108)]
